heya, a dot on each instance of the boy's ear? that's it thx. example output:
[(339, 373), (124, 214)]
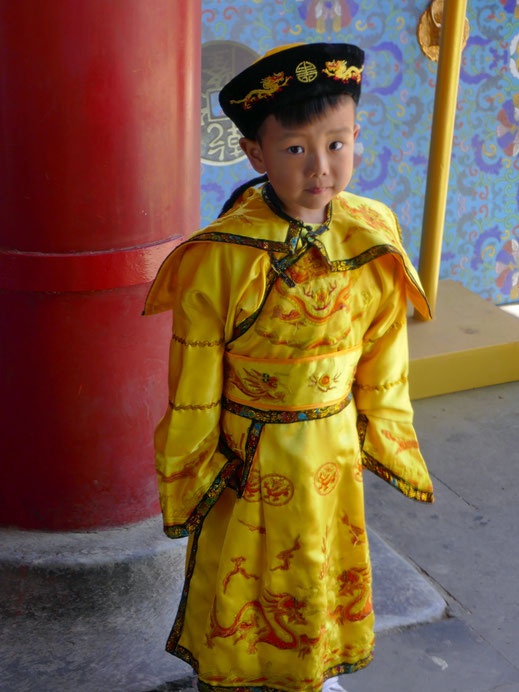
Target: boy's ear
[(356, 130), (252, 150)]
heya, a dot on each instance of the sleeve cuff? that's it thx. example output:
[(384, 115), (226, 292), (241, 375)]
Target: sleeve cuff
[(391, 451)]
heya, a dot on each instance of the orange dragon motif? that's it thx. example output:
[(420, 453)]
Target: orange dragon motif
[(189, 470), (402, 443), (291, 316), (357, 469), (286, 555), (252, 528), (267, 623), (356, 653), (317, 305), (241, 217), (302, 344), (233, 445), (238, 569), (257, 385), (252, 492), (326, 556), (310, 266), (321, 297), (354, 582), (358, 534), (371, 217), (329, 655)]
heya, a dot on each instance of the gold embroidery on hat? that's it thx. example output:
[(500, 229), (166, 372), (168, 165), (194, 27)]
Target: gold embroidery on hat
[(306, 72), (271, 85), (338, 69)]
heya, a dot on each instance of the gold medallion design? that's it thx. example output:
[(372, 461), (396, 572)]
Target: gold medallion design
[(276, 490), (326, 478), (306, 72)]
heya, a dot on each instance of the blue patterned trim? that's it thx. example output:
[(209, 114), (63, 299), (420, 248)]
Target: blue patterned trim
[(260, 243), (178, 625), (374, 253), (263, 416), (226, 478), (244, 326), (410, 491), (251, 445), (342, 265)]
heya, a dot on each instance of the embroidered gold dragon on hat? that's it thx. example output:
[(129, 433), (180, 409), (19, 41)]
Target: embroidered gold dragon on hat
[(271, 85), (338, 69)]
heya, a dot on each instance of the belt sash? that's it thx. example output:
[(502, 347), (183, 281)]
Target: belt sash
[(281, 391)]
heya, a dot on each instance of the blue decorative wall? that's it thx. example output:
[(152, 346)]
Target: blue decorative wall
[(481, 238)]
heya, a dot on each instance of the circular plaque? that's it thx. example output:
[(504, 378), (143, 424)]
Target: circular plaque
[(221, 61)]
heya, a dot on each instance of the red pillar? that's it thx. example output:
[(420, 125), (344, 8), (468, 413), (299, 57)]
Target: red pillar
[(99, 179)]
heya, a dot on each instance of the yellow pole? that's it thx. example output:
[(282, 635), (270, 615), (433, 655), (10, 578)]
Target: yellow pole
[(451, 43)]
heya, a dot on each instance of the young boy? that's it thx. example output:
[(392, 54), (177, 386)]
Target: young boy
[(288, 376)]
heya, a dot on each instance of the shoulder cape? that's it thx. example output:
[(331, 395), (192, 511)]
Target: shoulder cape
[(358, 230)]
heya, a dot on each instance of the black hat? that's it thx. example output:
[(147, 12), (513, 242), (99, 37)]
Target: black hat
[(289, 74)]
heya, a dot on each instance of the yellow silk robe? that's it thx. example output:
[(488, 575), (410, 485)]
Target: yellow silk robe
[(288, 375)]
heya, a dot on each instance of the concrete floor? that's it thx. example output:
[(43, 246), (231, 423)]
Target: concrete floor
[(466, 544)]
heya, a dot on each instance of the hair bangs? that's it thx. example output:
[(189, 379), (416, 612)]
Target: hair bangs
[(300, 113)]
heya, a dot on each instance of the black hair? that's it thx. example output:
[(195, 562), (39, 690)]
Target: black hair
[(303, 112), (289, 115), (238, 192)]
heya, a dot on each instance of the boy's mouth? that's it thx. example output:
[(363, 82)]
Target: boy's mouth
[(316, 190)]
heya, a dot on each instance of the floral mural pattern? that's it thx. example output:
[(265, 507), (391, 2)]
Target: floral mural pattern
[(481, 237)]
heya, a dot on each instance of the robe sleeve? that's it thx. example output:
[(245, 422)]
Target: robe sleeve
[(203, 284), (385, 416)]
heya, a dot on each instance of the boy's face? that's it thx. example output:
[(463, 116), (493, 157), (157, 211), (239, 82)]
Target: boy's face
[(309, 164)]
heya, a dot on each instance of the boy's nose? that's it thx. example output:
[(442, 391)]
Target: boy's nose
[(318, 165)]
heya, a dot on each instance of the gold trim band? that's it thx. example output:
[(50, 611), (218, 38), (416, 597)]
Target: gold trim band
[(193, 407), (186, 342)]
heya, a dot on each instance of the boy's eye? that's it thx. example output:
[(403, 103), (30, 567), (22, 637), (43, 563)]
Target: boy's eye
[(334, 146), (295, 149)]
